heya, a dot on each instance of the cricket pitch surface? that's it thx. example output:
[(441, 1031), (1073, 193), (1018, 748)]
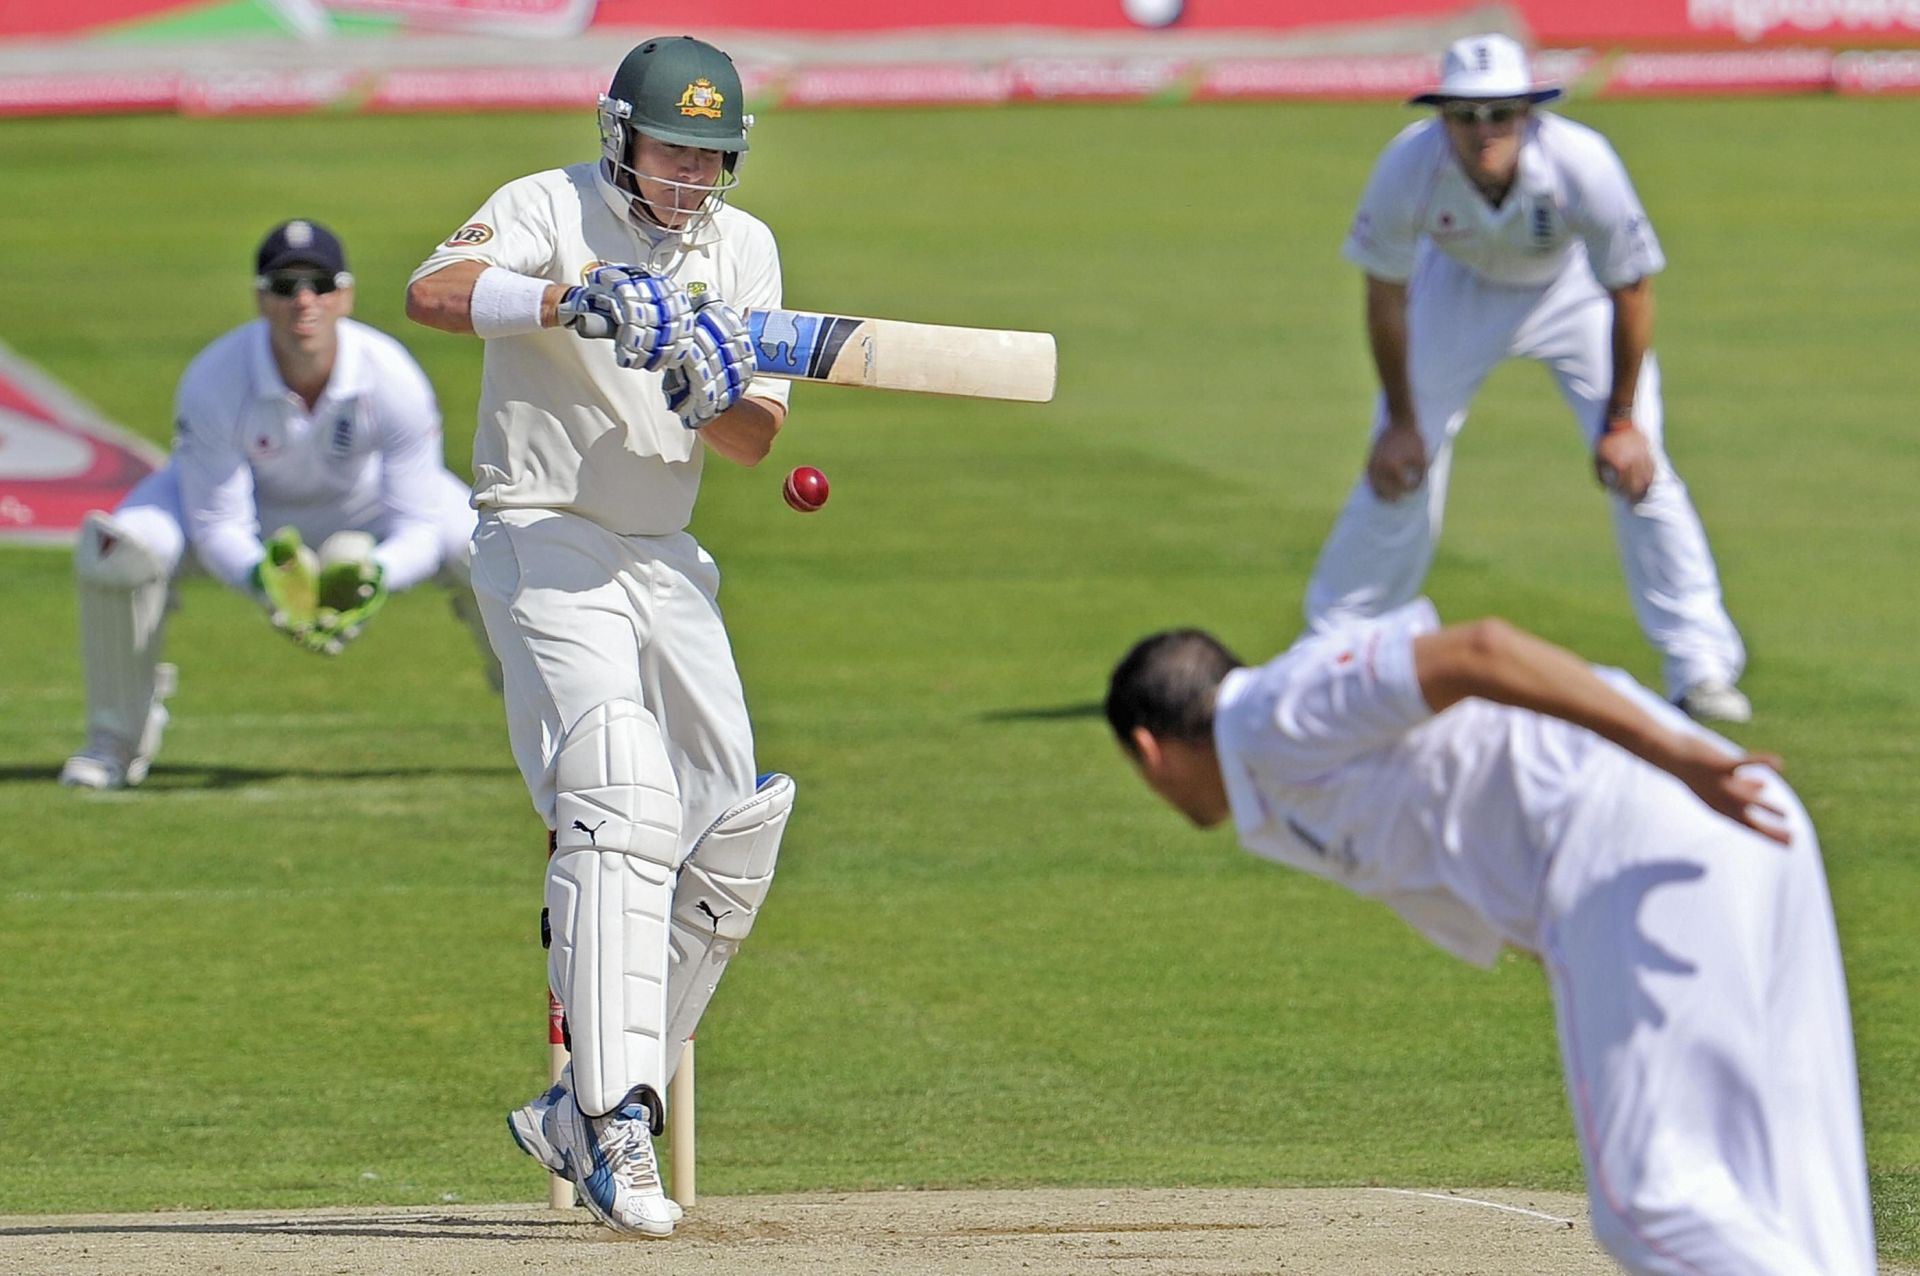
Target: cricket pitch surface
[(1375, 1231), (1157, 1232)]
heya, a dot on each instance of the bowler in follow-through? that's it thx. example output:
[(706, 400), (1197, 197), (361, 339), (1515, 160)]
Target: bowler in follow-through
[(1493, 789)]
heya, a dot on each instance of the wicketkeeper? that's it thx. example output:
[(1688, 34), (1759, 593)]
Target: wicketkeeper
[(305, 427)]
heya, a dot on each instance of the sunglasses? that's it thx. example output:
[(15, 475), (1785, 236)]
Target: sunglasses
[(1484, 112), (289, 283)]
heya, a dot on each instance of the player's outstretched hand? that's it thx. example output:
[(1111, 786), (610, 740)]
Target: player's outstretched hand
[(1715, 777), (1623, 463), (287, 583), (1398, 463), (711, 373), (351, 589), (350, 595)]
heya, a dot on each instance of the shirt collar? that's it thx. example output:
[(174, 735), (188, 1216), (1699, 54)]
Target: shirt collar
[(1249, 808)]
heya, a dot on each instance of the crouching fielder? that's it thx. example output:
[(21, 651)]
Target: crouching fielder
[(302, 421), (1493, 789), (615, 361)]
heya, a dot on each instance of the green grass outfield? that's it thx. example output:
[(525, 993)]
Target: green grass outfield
[(300, 967)]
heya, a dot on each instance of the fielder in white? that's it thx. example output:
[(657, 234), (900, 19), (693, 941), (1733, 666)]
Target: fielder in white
[(615, 361), (1495, 231), (302, 419), (1493, 789)]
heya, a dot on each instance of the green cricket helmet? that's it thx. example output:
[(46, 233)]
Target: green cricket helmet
[(682, 91)]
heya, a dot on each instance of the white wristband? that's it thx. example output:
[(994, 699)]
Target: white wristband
[(506, 304)]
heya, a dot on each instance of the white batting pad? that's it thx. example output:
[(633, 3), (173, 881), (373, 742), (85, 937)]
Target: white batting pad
[(122, 586), (722, 884), (609, 888)]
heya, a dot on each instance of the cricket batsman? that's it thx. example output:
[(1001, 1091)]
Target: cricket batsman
[(303, 421), (610, 297), (1496, 231)]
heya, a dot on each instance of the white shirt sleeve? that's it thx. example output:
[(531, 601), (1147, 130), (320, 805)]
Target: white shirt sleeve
[(407, 421), (513, 230), (1341, 693), (216, 483), (1386, 229), (1607, 213)]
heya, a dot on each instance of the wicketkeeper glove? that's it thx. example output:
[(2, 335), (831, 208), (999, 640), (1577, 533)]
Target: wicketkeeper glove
[(287, 583), (349, 595), (711, 372), (646, 316)]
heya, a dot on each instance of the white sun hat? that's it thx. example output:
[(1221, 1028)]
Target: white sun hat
[(1485, 67)]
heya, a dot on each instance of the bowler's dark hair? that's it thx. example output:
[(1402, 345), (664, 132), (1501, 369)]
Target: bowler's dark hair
[(1167, 684)]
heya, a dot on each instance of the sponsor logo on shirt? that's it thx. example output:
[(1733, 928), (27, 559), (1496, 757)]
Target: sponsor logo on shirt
[(471, 235), (696, 288), (702, 99)]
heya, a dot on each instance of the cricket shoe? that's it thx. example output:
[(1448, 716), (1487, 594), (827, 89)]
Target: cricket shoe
[(105, 762), (610, 1160), (1712, 700), (528, 1125)]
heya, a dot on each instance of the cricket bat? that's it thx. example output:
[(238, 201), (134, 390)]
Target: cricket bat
[(890, 354)]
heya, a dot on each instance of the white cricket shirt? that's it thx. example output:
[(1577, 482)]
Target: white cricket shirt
[(1334, 764), (1571, 202), (562, 426), (242, 439)]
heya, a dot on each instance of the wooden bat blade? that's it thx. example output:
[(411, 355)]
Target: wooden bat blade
[(891, 354)]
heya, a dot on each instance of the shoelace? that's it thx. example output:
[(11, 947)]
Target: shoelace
[(629, 1151)]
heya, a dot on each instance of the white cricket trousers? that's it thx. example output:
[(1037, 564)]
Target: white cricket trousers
[(1704, 1030), (1459, 327), (580, 616)]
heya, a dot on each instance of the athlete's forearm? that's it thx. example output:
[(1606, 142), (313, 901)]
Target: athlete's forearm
[(1632, 335), (444, 299), (744, 432), (1387, 337), (1493, 660)]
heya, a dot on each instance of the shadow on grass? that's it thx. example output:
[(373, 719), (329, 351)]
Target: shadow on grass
[(1048, 713), (398, 1227), (164, 779)]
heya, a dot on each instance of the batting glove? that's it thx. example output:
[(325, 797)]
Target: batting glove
[(646, 316), (712, 371)]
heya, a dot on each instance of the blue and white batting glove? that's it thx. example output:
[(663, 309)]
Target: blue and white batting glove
[(712, 372), (645, 315)]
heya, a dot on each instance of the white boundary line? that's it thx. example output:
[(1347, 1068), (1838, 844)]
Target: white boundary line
[(1474, 1200)]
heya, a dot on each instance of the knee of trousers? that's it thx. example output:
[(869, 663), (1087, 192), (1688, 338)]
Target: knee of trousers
[(109, 554), (723, 883), (609, 893), (1716, 1232)]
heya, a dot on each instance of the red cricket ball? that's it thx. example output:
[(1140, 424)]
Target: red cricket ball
[(805, 489)]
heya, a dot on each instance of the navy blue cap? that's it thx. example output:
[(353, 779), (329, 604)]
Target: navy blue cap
[(300, 243)]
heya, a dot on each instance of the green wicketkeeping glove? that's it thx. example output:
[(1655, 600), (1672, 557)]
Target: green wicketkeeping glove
[(287, 582), (350, 592)]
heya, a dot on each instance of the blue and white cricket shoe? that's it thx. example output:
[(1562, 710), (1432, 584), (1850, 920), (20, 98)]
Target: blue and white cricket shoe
[(527, 1125), (610, 1160)]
